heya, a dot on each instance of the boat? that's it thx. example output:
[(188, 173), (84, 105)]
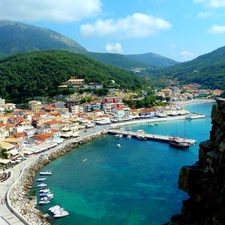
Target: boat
[(129, 136), (42, 185), (176, 142), (60, 214), (43, 202), (46, 173), (141, 137), (49, 195), (44, 190), (54, 207), (151, 125), (118, 135), (41, 179), (45, 198), (118, 145)]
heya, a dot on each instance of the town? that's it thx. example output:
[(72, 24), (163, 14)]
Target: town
[(25, 132)]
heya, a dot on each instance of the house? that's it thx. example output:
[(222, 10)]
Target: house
[(10, 106), (118, 112), (72, 83)]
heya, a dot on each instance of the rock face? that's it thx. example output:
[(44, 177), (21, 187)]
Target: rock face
[(205, 180)]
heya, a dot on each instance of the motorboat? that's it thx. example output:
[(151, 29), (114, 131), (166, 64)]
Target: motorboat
[(62, 213), (45, 198), (43, 202), (41, 179), (118, 145), (129, 136), (42, 185), (49, 195), (45, 190), (54, 207), (46, 173), (118, 135)]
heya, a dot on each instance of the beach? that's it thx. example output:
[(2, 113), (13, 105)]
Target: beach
[(14, 191)]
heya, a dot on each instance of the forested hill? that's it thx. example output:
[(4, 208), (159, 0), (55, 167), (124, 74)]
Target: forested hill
[(38, 73), (16, 37), (207, 70)]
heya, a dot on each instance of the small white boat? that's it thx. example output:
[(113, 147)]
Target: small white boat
[(43, 202), (41, 179), (54, 207), (42, 185), (45, 190), (45, 198), (46, 173), (129, 136), (49, 195), (118, 136), (62, 213), (118, 145)]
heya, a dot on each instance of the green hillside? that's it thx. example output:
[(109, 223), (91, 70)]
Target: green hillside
[(207, 70), (38, 73), (16, 37)]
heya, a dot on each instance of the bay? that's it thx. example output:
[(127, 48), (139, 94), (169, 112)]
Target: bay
[(136, 184)]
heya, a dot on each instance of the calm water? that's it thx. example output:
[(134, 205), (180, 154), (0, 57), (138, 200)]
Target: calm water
[(132, 185)]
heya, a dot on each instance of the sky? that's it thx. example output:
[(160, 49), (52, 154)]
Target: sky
[(180, 30)]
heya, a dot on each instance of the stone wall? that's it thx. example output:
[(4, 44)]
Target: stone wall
[(205, 180)]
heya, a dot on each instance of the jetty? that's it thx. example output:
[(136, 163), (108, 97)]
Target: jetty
[(145, 136)]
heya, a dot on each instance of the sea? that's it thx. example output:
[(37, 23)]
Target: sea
[(136, 184)]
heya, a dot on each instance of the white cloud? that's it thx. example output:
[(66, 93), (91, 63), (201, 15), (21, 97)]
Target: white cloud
[(113, 48), (204, 14), (216, 29), (137, 25), (186, 55), (211, 3), (49, 10)]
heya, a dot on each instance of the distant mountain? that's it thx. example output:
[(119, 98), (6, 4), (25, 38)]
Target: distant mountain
[(16, 37), (207, 70), (152, 59), (117, 60)]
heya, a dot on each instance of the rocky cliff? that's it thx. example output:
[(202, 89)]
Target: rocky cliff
[(205, 180)]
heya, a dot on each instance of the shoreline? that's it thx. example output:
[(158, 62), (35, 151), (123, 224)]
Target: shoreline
[(17, 196)]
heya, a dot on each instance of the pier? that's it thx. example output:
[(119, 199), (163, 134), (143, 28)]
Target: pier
[(144, 136)]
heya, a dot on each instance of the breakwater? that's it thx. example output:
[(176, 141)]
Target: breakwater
[(18, 199)]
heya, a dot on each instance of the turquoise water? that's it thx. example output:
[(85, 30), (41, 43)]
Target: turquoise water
[(132, 185)]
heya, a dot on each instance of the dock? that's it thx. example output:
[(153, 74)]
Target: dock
[(154, 137)]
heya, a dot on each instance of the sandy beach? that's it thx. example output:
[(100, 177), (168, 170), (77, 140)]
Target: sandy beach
[(13, 186)]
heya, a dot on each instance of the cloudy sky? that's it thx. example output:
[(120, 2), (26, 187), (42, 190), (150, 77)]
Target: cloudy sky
[(178, 29)]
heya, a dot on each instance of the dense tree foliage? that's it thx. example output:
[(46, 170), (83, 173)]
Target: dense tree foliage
[(40, 73)]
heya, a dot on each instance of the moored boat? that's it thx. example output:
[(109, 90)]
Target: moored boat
[(46, 173), (41, 179), (43, 202), (42, 185), (118, 135), (61, 213)]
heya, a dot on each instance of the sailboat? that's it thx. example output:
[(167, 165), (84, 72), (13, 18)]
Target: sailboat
[(180, 142)]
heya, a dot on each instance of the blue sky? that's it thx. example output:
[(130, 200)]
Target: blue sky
[(177, 29)]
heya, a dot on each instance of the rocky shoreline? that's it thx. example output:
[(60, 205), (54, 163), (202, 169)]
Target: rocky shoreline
[(18, 195)]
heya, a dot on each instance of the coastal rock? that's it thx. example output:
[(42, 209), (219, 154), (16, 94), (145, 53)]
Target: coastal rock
[(205, 181)]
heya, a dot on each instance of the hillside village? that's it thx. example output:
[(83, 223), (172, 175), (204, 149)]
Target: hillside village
[(25, 132)]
